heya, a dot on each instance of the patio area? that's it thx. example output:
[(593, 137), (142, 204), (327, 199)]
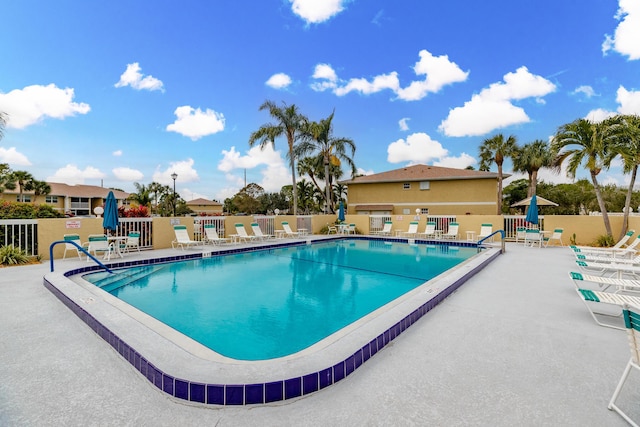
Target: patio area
[(514, 345)]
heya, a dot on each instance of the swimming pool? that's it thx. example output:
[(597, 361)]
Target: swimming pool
[(186, 370), (275, 302)]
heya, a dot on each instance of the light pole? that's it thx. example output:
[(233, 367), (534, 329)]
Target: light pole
[(174, 176)]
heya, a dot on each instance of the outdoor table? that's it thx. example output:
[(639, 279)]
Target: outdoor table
[(116, 241), (471, 236)]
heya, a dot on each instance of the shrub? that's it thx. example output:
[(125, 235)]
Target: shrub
[(605, 241), (10, 255)]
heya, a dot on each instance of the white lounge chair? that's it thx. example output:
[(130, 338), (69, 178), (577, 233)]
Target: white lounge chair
[(555, 237), (485, 231), (132, 242), (621, 258), (632, 323), (211, 235), (182, 239), (70, 246), (257, 232), (604, 283), (412, 231), (241, 234), (452, 232), (627, 251), (610, 269), (533, 237), (386, 229), (429, 230), (99, 245), (620, 245), (287, 230), (590, 297)]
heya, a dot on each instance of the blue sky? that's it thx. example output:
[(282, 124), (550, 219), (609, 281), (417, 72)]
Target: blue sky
[(130, 91)]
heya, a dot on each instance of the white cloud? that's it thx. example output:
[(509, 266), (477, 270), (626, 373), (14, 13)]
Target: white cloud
[(629, 101), (598, 115), (403, 123), (274, 176), (134, 78), (314, 11), (195, 123), (587, 91), (127, 174), (361, 171), (460, 162), (188, 194), (492, 108), (32, 104), (13, 157), (417, 148), (627, 33), (117, 153), (71, 174), (279, 81), (183, 168), (438, 72)]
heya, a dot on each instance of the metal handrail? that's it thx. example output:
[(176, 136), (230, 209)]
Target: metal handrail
[(502, 234), (80, 248)]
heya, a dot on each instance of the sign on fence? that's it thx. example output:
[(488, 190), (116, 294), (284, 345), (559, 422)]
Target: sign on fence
[(72, 224)]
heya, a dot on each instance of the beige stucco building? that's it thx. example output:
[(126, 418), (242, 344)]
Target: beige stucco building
[(205, 207), (77, 200), (434, 190)]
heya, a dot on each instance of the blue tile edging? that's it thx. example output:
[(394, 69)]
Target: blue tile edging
[(249, 394)]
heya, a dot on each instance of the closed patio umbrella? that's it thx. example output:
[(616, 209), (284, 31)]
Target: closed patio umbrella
[(341, 212), (532, 213), (110, 220)]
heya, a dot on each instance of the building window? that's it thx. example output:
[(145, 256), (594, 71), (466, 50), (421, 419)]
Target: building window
[(406, 186), (424, 211), (424, 185), (51, 199), (80, 206), (26, 198)]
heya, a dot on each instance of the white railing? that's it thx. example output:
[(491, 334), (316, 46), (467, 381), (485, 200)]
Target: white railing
[(200, 221), (144, 226), (513, 222), (304, 221), (442, 221), (21, 233), (376, 222), (267, 224)]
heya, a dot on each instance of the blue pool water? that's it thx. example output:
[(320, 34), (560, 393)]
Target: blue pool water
[(272, 303)]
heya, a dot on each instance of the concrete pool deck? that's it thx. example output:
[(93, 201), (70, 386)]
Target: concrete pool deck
[(514, 345)]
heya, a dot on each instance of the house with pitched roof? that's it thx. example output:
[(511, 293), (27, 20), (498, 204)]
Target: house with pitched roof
[(434, 190), (205, 207), (74, 200)]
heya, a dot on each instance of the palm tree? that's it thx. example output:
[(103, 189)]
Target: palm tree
[(24, 181), (531, 158), (3, 123), (495, 150), (156, 189), (319, 137), (40, 188), (628, 147), (289, 122), (312, 167), (582, 141), (5, 178), (142, 195)]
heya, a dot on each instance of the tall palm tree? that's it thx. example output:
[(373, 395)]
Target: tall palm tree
[(311, 166), (3, 123), (289, 123), (495, 150), (334, 150), (583, 141), (156, 189), (6, 182), (24, 181), (628, 147), (142, 196), (40, 188), (530, 159)]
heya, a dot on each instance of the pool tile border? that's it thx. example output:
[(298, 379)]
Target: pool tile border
[(257, 393)]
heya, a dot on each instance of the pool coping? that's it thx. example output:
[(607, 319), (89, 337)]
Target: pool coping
[(188, 376)]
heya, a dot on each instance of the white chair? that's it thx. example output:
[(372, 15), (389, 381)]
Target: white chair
[(452, 232), (99, 244), (351, 229), (533, 237), (211, 235), (620, 245), (287, 230), (555, 237), (386, 229), (71, 247), (412, 231), (132, 242), (257, 231), (430, 230), (242, 235), (485, 231), (521, 233), (590, 296), (182, 239), (632, 324)]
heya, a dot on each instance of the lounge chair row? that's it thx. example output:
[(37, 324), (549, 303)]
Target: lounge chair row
[(211, 236), (609, 286), (102, 245)]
